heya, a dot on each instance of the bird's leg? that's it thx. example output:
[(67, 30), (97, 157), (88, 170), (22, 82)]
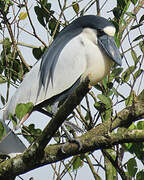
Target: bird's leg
[(23, 120), (70, 138), (55, 107), (73, 126), (66, 123)]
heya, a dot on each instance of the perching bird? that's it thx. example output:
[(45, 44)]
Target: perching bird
[(86, 47)]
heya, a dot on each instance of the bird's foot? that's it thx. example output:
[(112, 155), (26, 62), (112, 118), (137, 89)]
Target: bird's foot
[(72, 140)]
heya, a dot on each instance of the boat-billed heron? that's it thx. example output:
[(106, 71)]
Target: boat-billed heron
[(86, 47)]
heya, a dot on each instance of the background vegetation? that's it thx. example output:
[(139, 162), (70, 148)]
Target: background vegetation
[(111, 114)]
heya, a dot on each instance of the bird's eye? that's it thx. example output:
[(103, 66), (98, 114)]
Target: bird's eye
[(100, 32)]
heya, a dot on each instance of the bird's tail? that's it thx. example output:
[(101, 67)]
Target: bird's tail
[(11, 144)]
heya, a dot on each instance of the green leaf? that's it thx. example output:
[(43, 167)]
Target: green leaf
[(44, 13), (40, 15), (126, 74), (141, 19), (107, 114), (109, 93), (75, 6), (139, 37), (44, 2), (130, 99), (125, 5), (3, 100), (132, 167), (134, 1), (5, 4), (87, 117), (7, 44), (22, 109), (98, 106), (117, 40), (98, 87), (105, 100), (115, 73), (136, 26), (130, 14), (13, 119), (37, 52), (140, 125), (140, 175), (132, 126), (141, 45), (77, 163), (52, 25), (134, 56), (136, 148), (23, 15), (117, 12), (138, 73), (31, 133), (2, 130), (104, 82), (115, 92), (128, 146)]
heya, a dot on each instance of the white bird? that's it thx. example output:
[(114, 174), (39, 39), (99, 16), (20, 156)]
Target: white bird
[(86, 47)]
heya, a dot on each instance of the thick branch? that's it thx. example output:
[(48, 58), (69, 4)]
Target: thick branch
[(115, 165), (124, 118), (96, 138), (65, 110), (90, 142)]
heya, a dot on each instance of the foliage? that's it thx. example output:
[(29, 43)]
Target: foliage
[(106, 98)]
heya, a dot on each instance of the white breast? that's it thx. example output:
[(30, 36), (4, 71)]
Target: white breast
[(98, 63)]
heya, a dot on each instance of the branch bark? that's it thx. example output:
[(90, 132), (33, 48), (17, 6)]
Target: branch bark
[(36, 151), (52, 153), (100, 137)]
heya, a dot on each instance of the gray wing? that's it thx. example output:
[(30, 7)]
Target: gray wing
[(67, 70), (11, 143), (51, 55)]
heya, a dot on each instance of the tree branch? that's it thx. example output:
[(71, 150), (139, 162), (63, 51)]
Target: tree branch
[(97, 138), (115, 165), (19, 164), (135, 11)]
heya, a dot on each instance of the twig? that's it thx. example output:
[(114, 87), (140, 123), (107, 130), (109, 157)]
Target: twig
[(33, 28), (135, 11), (89, 111), (81, 116), (98, 7), (60, 117), (96, 176), (58, 21), (115, 165), (67, 167), (97, 162)]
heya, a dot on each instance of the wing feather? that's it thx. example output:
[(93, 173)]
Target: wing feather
[(70, 66)]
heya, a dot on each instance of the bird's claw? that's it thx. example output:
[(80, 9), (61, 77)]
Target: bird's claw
[(73, 140)]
